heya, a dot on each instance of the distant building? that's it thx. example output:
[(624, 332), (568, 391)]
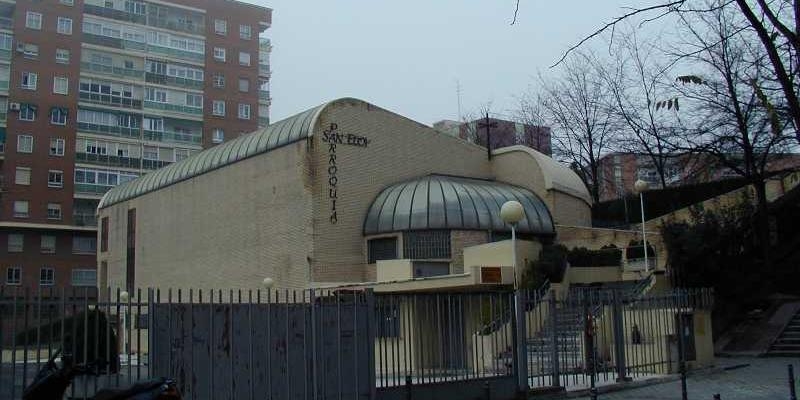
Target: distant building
[(619, 171), (504, 134)]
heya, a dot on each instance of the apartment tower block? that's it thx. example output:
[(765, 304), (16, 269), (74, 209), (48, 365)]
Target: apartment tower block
[(94, 93)]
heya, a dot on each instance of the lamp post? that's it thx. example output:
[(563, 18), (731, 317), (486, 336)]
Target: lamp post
[(123, 298), (268, 283), (640, 187), (512, 212)]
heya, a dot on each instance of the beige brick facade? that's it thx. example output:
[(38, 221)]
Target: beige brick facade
[(296, 213)]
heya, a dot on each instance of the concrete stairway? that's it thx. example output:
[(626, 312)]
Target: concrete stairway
[(788, 343)]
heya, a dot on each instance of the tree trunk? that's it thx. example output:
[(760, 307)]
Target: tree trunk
[(762, 221)]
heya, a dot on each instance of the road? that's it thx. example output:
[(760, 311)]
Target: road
[(763, 379)]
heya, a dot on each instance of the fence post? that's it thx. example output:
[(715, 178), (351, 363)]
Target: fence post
[(792, 393), (619, 337), (520, 342), (370, 300), (556, 373)]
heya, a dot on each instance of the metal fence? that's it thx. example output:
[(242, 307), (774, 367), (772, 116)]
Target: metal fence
[(338, 344)]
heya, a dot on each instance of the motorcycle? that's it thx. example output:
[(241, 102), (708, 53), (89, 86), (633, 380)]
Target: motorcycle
[(52, 381)]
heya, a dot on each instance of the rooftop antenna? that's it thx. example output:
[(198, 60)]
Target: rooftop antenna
[(458, 94)]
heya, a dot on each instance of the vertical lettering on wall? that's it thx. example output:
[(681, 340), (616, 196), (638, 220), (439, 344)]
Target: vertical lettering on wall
[(332, 137)]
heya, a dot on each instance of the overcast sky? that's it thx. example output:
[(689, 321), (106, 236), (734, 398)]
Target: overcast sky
[(406, 56)]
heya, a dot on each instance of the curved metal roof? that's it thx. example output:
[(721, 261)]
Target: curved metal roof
[(556, 175), (289, 130), (447, 202)]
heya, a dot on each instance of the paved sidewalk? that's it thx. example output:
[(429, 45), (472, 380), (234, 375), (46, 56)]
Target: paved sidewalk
[(764, 379)]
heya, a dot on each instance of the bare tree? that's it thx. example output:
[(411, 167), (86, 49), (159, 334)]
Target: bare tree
[(636, 75), (583, 130), (734, 101), (776, 24)]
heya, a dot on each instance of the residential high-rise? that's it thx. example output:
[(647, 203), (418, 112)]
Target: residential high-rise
[(503, 133), (94, 93)]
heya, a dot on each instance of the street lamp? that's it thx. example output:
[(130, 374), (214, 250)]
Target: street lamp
[(123, 298), (640, 187), (268, 283), (511, 213)]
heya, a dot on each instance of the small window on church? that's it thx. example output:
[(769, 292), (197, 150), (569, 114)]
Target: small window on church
[(381, 249)]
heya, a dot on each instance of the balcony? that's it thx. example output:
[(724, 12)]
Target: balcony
[(118, 15), (3, 86), (153, 105), (177, 25), (114, 42), (84, 219), (182, 54), (173, 81), (91, 189), (173, 137), (263, 121), (5, 54), (119, 131), (117, 161), (111, 70), (6, 23), (263, 95), (3, 115), (111, 100), (263, 70)]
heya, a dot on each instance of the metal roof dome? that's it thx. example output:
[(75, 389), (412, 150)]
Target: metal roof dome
[(447, 202)]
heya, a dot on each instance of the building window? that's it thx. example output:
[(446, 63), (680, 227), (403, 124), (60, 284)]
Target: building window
[(23, 176), (156, 95), (426, 245), (245, 32), (15, 242), (58, 116), (244, 111), (60, 85), (219, 54), (218, 108), (53, 211), (194, 100), (21, 209), (136, 7), (47, 276), (244, 58), (56, 147), (67, 2), (219, 81), (27, 112), (218, 135), (84, 277), (220, 27), (150, 153), (30, 80), (24, 144), (55, 178), (181, 154), (48, 244), (130, 256), (84, 245), (244, 85), (425, 269), (381, 249), (30, 50), (13, 276), (64, 26), (33, 20), (62, 56), (104, 234)]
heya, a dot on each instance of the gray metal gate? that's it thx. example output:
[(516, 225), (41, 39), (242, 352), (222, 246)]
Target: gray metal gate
[(289, 347)]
